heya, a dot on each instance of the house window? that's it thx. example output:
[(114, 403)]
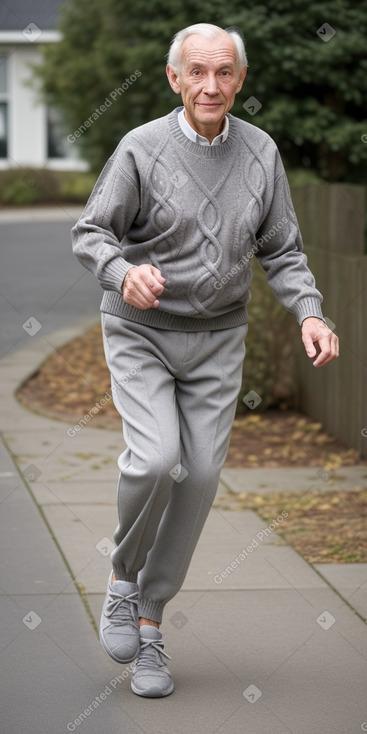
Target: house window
[(57, 143), (3, 107)]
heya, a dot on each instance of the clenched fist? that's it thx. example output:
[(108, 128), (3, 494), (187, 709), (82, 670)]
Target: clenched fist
[(142, 284)]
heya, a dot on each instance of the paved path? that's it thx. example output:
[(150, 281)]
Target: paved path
[(42, 285), (268, 644)]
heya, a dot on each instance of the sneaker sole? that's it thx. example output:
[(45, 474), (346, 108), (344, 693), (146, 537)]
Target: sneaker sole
[(153, 692)]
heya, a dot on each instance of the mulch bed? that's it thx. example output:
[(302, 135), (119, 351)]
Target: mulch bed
[(326, 526), (73, 380)]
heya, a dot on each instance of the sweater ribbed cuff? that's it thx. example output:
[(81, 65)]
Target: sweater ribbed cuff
[(113, 274), (308, 307)]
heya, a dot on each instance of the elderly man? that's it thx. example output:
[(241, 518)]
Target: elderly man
[(177, 213)]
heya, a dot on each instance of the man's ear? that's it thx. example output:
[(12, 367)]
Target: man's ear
[(173, 78), (242, 78)]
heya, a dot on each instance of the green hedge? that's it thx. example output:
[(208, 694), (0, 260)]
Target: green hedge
[(272, 340), (27, 186)]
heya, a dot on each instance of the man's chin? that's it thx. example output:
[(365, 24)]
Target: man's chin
[(210, 116)]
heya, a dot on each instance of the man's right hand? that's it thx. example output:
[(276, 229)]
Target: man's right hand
[(142, 284)]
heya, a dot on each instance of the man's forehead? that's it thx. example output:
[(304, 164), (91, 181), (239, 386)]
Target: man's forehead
[(198, 48)]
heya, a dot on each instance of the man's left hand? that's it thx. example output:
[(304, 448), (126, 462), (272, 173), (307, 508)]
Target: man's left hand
[(319, 341)]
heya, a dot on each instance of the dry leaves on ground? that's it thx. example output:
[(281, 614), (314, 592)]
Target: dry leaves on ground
[(70, 384), (324, 527)]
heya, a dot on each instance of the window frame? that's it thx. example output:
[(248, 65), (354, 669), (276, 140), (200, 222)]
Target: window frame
[(5, 100)]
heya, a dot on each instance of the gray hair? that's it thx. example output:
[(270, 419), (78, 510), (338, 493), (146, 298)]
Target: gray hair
[(209, 31)]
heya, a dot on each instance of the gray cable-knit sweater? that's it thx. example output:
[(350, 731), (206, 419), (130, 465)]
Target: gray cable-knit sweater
[(198, 214)]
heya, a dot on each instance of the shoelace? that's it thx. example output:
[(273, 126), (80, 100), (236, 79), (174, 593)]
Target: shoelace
[(150, 656), (119, 606)]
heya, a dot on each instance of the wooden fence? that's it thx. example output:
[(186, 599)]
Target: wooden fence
[(332, 222)]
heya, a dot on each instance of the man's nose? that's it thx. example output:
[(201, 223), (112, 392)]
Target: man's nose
[(211, 84)]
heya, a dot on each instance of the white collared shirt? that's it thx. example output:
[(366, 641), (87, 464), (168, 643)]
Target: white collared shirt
[(195, 137)]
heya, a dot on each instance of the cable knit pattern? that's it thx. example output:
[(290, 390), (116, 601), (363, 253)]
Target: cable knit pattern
[(198, 214), (201, 293)]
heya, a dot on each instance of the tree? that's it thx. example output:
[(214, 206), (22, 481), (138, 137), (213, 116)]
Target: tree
[(311, 86)]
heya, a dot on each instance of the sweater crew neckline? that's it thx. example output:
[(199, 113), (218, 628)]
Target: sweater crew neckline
[(202, 151)]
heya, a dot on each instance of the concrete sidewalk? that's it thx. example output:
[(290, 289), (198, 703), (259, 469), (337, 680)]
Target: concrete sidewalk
[(267, 644)]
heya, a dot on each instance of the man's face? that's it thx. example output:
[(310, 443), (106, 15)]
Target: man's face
[(208, 81)]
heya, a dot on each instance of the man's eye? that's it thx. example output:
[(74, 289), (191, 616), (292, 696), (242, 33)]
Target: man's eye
[(196, 72)]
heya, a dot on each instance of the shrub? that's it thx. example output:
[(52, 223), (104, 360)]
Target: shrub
[(25, 186), (272, 337), (76, 187), (18, 192)]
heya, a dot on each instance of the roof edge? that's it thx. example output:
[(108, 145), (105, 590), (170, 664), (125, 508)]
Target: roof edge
[(30, 35)]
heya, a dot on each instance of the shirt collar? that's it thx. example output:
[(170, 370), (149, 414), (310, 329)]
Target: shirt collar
[(195, 137)]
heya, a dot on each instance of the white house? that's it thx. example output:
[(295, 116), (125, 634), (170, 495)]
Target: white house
[(29, 130)]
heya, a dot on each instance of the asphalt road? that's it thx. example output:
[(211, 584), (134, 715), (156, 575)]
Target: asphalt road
[(42, 285)]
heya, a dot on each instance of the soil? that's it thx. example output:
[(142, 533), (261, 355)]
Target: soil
[(324, 527), (70, 385), (327, 526)]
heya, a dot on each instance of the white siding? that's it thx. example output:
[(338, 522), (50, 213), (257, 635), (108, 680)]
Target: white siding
[(27, 115), (28, 131)]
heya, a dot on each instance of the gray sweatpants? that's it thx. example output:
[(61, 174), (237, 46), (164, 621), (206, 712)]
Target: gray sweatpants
[(176, 392)]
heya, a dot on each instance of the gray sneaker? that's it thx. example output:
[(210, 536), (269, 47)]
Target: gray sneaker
[(151, 677), (119, 626)]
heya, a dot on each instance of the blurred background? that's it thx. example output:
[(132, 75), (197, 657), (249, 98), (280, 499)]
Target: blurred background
[(76, 76)]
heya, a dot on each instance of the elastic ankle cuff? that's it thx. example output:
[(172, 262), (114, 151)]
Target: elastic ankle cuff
[(151, 609), (123, 575)]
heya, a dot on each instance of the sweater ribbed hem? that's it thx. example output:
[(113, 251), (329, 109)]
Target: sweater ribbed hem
[(113, 303), (151, 609), (307, 307)]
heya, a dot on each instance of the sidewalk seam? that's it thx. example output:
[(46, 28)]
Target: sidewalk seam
[(339, 594)]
